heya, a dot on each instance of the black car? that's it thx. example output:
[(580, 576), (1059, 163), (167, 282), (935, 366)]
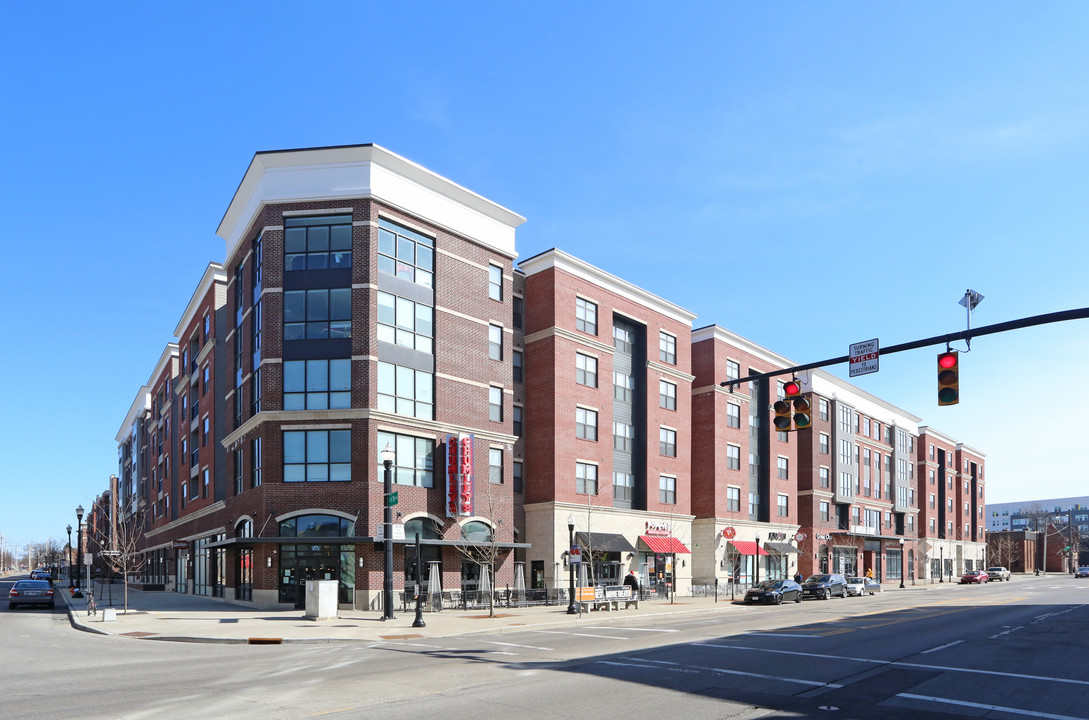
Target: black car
[(31, 592), (774, 591), (825, 586)]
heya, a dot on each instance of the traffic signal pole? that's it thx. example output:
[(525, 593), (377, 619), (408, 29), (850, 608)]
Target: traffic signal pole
[(967, 335)]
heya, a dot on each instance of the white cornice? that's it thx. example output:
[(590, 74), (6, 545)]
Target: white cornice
[(169, 353), (571, 265), (212, 274), (721, 334), (141, 404), (365, 171)]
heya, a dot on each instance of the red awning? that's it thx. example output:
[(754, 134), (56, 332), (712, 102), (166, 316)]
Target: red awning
[(748, 547), (664, 545)]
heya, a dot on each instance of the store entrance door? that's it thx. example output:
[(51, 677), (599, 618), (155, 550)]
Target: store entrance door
[(318, 562)]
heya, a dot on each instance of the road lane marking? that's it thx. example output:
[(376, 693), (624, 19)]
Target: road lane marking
[(530, 647), (559, 632), (677, 667), (985, 706), (941, 647), (791, 652), (788, 635), (632, 629)]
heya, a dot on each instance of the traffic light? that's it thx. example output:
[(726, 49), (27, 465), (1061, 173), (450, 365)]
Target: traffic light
[(782, 415), (803, 413), (794, 411), (949, 378)]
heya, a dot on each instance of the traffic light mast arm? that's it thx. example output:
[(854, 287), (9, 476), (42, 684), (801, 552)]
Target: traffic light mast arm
[(1079, 314)]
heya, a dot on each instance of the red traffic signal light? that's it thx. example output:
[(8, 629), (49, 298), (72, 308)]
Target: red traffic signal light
[(949, 378), (792, 389)]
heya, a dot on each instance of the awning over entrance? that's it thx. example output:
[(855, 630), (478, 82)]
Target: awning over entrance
[(748, 547), (664, 545), (781, 548), (604, 542)]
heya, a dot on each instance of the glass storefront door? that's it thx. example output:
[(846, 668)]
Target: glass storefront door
[(299, 563)]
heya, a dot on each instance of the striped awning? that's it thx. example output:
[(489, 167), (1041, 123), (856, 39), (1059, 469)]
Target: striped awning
[(748, 547), (664, 545)]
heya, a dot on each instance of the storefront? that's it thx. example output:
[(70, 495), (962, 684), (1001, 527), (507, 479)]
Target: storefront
[(606, 555), (658, 551)]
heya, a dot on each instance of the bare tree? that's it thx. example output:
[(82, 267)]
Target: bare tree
[(1004, 549), (483, 548), (732, 557), (125, 557)]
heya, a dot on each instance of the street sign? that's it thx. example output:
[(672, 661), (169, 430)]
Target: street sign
[(864, 357), (88, 559), (110, 553), (397, 534), (391, 499), (576, 555)]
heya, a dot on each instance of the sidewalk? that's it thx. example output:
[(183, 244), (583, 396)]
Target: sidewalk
[(190, 618)]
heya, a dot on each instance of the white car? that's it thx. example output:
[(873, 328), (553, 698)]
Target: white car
[(998, 573), (862, 586)]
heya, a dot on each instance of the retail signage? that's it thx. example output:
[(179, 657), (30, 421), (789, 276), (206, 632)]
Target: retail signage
[(575, 556), (658, 527), (459, 475), (863, 530), (776, 536), (179, 545), (729, 533)]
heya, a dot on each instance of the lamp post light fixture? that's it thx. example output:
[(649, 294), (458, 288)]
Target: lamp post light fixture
[(901, 563), (69, 529), (571, 609), (79, 547), (388, 456)]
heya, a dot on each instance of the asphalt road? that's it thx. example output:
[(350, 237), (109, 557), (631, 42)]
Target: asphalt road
[(1001, 650)]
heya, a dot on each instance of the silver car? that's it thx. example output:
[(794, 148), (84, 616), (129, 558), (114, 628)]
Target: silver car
[(998, 573)]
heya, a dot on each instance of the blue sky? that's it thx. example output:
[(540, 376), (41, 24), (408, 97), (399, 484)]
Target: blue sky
[(806, 175)]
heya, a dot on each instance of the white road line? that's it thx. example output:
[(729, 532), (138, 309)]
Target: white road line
[(1005, 632), (941, 647), (786, 635), (723, 671), (558, 632), (791, 652), (530, 647), (984, 706), (632, 629)]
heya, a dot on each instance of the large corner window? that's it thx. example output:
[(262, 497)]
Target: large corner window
[(406, 254), (317, 384), (405, 323), (317, 314), (317, 455), (414, 459), (405, 391), (318, 243)]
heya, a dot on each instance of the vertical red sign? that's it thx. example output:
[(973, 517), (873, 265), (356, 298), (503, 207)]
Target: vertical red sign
[(452, 467), (465, 505)]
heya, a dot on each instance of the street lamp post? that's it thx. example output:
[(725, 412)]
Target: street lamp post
[(419, 621), (69, 529), (571, 609), (941, 564), (901, 563), (79, 547), (756, 562), (387, 567)]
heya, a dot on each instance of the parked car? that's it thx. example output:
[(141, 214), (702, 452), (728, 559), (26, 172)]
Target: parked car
[(998, 573), (825, 586), (774, 591), (31, 592), (1081, 572), (862, 586), (974, 576)]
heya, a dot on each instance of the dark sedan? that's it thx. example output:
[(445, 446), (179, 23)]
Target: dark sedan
[(974, 576), (31, 592), (774, 592), (825, 586)]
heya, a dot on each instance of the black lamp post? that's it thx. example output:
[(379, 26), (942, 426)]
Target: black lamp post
[(69, 529), (901, 563), (419, 621), (756, 562), (571, 609), (79, 546), (387, 567), (941, 564)]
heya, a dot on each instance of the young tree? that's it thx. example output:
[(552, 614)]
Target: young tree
[(732, 557), (482, 548), (125, 557)]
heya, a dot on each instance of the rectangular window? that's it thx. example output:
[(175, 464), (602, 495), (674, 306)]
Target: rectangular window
[(623, 339), (585, 479), (783, 505), (845, 452), (667, 348), (518, 482), (518, 318), (667, 395), (825, 478), (784, 468), (255, 462), (516, 359), (733, 370), (623, 436), (495, 342), (866, 426), (623, 387), (318, 242), (933, 501), (317, 384), (405, 391), (824, 511), (585, 424), (205, 428), (623, 486), (495, 466), (845, 484), (206, 327), (733, 415), (495, 282), (733, 499), (406, 253), (205, 477), (255, 391), (823, 408), (517, 420), (413, 461), (667, 490), (317, 455), (495, 404), (667, 442), (406, 323), (585, 316), (205, 376), (317, 314), (238, 472), (585, 370), (845, 419), (824, 443), (754, 504), (733, 457)]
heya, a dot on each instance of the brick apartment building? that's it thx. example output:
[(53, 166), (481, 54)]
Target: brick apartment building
[(365, 302)]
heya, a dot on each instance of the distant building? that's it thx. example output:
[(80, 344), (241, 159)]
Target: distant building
[(1028, 514)]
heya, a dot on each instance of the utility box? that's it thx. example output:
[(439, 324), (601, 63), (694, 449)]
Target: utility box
[(321, 599), (109, 614)]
